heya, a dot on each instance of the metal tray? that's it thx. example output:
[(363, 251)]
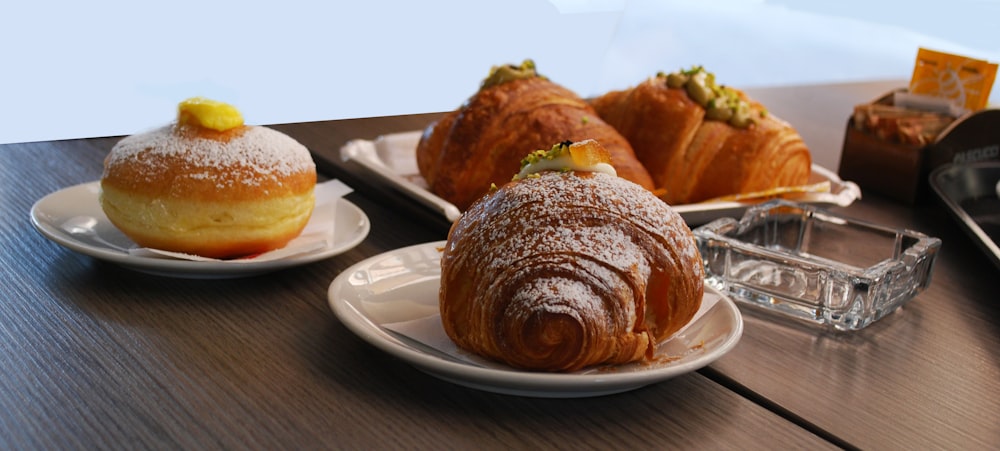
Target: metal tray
[(970, 191)]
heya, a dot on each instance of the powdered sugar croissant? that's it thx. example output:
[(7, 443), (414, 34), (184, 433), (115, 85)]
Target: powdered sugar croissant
[(567, 268)]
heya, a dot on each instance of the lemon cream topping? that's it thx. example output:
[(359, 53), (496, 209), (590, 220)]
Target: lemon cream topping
[(583, 156), (209, 114)]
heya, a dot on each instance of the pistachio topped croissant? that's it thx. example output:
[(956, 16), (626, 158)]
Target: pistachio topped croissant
[(568, 266), (514, 112), (700, 140)]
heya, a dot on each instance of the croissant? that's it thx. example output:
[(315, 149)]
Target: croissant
[(566, 269), (514, 112), (699, 140)]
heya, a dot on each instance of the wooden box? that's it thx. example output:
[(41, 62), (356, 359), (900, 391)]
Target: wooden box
[(900, 171)]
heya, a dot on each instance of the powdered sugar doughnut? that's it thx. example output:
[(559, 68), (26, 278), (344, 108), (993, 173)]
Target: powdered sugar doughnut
[(221, 194)]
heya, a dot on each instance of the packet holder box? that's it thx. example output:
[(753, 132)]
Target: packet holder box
[(802, 263), (900, 171)]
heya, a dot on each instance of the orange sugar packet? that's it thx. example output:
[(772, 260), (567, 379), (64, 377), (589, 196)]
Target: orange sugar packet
[(965, 81)]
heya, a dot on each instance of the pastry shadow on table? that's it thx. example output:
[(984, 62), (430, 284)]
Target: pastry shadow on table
[(102, 288), (379, 375), (379, 379)]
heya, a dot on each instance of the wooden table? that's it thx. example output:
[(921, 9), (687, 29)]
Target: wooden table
[(93, 355)]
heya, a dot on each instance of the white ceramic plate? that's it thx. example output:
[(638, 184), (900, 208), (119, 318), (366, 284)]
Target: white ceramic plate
[(401, 286), (393, 158), (73, 218)]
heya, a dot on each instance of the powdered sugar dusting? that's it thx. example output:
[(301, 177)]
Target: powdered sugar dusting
[(264, 151), (551, 294), (581, 246), (589, 232)]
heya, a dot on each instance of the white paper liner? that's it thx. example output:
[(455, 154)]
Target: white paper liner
[(316, 236), (428, 331)]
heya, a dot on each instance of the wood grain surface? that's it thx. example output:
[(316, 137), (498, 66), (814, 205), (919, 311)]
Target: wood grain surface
[(96, 356)]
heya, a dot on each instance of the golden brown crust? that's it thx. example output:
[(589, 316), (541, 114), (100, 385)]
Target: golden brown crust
[(692, 159), (482, 142), (192, 172), (215, 194), (767, 155), (632, 111), (430, 146), (568, 270)]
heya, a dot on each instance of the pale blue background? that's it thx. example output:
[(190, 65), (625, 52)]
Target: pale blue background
[(99, 68)]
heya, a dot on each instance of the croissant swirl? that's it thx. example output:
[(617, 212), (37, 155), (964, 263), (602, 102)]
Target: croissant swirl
[(568, 270), (514, 112), (705, 141)]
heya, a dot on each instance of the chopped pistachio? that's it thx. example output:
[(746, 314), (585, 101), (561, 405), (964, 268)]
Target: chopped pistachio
[(676, 80), (551, 154), (721, 103), (509, 72), (567, 156)]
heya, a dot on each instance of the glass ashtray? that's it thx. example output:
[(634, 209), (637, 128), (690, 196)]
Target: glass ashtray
[(805, 263)]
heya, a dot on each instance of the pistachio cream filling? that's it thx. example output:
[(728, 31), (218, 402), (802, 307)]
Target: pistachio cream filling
[(509, 72), (583, 156), (721, 103)]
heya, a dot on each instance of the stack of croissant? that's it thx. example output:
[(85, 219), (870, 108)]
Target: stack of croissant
[(679, 135)]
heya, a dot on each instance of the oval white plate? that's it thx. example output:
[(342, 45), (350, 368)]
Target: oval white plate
[(401, 286), (392, 158), (54, 214)]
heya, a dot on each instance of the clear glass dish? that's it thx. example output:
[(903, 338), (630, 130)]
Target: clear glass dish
[(805, 263)]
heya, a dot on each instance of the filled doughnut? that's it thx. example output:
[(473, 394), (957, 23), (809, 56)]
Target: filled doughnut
[(208, 185)]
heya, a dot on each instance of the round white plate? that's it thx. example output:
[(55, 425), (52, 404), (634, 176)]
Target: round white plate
[(73, 218), (401, 287)]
